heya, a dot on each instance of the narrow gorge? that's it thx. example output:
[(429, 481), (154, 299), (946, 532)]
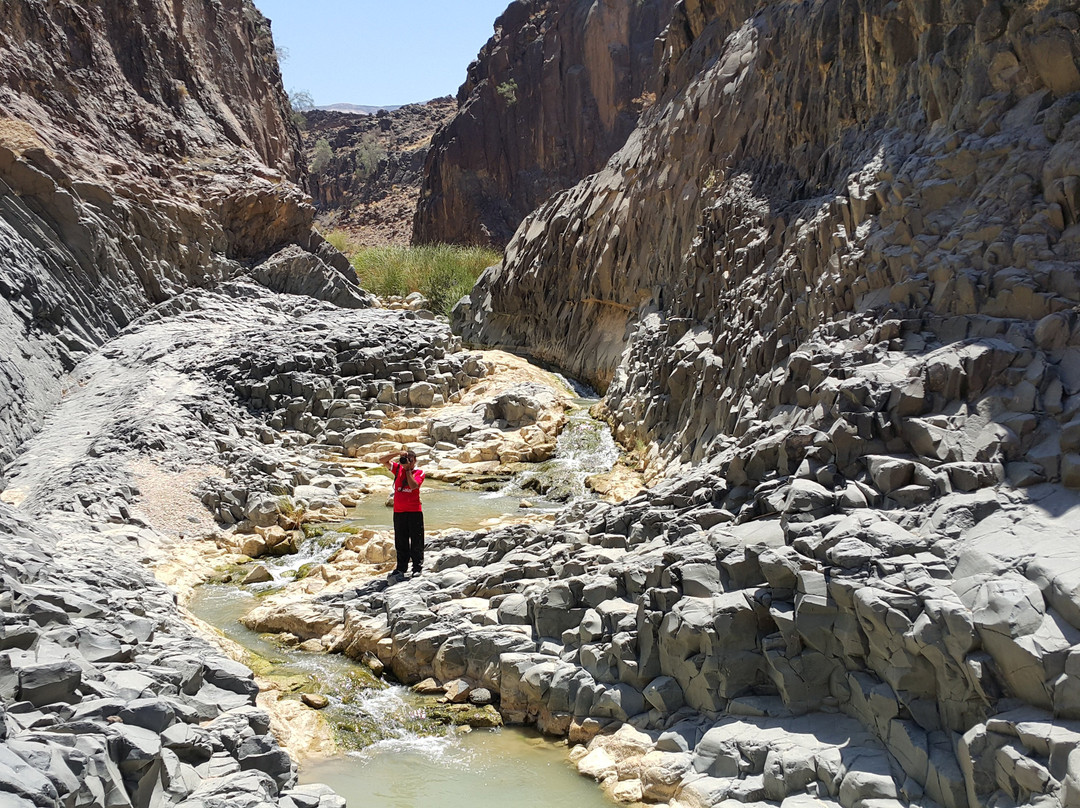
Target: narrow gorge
[(820, 261)]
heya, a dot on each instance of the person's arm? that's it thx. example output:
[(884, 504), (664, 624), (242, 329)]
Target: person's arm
[(416, 478), (411, 472), (388, 459)]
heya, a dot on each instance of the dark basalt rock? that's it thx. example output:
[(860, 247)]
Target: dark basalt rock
[(550, 97), (146, 155)]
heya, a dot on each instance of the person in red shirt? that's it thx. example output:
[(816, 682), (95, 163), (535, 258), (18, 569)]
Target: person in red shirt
[(408, 512)]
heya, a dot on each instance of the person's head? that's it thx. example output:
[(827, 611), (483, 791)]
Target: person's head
[(408, 458)]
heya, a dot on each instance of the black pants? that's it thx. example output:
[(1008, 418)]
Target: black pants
[(409, 540)]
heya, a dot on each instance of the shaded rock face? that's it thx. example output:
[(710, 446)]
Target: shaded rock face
[(832, 240), (550, 97), (143, 150), (371, 183)]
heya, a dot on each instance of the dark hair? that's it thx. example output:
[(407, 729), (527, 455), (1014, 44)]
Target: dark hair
[(408, 455)]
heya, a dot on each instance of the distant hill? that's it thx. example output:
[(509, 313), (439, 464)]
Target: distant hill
[(368, 182), (357, 109)]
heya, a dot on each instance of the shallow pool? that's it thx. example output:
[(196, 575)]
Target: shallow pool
[(446, 506), (404, 768), (482, 769)]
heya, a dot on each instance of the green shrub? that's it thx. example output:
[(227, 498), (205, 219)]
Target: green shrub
[(301, 100), (369, 153), (321, 156), (442, 273), (508, 92), (295, 513), (341, 241)]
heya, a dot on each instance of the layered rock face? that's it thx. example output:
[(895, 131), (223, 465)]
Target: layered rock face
[(834, 266), (143, 150), (550, 97), (810, 210), (371, 181)]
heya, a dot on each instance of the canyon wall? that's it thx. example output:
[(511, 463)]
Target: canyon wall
[(798, 202), (369, 181), (829, 286), (555, 91), (143, 150)]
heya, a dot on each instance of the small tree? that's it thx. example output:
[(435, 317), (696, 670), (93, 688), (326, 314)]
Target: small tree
[(369, 153), (320, 156), (301, 100)]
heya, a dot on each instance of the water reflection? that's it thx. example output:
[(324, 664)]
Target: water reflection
[(445, 506)]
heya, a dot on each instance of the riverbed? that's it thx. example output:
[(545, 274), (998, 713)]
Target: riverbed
[(402, 759), (480, 769), (403, 767)]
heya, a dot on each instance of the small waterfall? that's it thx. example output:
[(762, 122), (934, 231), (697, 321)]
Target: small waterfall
[(388, 720), (366, 712), (584, 448), (313, 551)]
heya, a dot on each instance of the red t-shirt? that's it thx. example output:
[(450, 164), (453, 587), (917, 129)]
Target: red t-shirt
[(405, 500)]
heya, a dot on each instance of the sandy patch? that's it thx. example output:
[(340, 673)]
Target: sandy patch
[(167, 500)]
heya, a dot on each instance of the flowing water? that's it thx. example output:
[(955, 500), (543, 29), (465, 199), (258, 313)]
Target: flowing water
[(406, 761), (483, 769), (584, 448)]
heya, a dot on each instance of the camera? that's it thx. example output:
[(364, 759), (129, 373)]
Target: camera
[(403, 460)]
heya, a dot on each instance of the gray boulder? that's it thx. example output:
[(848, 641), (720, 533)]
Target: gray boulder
[(50, 682)]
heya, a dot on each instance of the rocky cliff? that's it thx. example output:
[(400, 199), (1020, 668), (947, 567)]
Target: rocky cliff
[(367, 178), (143, 149), (833, 269), (555, 91), (900, 188)]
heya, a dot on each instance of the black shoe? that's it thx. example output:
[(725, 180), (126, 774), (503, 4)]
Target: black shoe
[(395, 577), (415, 572)]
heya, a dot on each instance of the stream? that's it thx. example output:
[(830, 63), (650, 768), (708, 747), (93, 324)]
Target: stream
[(404, 761)]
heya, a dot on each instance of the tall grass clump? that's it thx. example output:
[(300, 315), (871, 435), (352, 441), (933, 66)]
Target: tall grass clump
[(341, 241), (442, 273)]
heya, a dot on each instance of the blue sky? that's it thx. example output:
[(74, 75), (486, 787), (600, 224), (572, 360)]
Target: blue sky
[(377, 52)]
